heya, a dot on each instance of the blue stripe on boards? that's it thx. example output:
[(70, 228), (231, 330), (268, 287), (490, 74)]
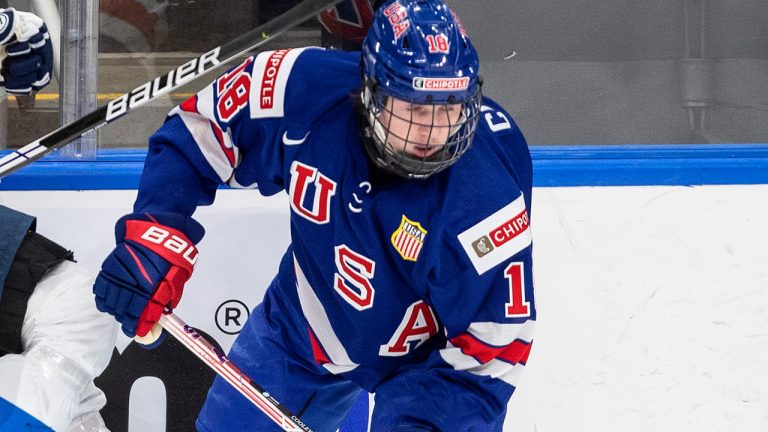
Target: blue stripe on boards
[(553, 166)]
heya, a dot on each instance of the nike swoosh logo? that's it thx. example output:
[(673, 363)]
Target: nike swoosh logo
[(291, 142)]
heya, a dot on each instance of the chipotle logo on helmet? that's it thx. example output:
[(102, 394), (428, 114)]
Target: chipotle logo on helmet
[(440, 84)]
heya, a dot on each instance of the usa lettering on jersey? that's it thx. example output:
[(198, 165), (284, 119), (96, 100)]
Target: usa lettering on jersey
[(418, 325), (308, 181)]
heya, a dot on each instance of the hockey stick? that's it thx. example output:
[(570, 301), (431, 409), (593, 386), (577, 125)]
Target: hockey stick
[(162, 85), (234, 376)]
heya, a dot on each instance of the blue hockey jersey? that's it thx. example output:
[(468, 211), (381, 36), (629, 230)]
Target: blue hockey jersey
[(422, 284)]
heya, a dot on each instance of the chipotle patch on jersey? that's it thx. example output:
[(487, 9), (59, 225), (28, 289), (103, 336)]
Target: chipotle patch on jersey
[(482, 246), (269, 79), (497, 237)]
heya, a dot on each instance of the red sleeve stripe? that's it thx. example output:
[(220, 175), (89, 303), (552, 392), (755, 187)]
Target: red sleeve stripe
[(228, 152), (189, 105), (515, 352), (318, 352), (215, 148), (320, 324)]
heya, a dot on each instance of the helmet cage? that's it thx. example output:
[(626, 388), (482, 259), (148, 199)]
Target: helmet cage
[(400, 158)]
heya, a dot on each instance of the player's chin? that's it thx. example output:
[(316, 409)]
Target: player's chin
[(423, 151)]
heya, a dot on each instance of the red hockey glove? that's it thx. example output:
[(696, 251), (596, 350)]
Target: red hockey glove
[(145, 273)]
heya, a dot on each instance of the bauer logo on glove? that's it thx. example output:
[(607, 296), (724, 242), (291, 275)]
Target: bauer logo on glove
[(159, 236)]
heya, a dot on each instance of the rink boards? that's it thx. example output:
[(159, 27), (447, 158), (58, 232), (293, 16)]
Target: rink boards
[(651, 298)]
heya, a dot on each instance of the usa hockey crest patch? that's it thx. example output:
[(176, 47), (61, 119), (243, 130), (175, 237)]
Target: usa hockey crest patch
[(408, 239)]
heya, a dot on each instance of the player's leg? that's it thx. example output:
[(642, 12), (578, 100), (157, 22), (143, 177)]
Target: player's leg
[(66, 343), (319, 398), (386, 407)]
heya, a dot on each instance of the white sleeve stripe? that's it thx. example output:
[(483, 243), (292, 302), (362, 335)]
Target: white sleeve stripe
[(320, 324), (205, 102), (499, 335), (235, 185), (499, 369), (200, 129)]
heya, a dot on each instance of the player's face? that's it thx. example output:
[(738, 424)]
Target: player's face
[(419, 130)]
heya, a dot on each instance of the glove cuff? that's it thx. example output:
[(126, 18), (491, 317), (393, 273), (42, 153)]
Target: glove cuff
[(185, 224)]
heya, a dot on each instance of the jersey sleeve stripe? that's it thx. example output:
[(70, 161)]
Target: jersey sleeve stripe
[(318, 352), (507, 372), (497, 334), (515, 352), (228, 152), (214, 144), (320, 324), (213, 148), (234, 184)]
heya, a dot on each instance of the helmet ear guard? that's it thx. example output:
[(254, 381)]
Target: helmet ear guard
[(417, 52)]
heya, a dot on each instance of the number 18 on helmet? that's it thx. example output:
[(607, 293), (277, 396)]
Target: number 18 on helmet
[(421, 97)]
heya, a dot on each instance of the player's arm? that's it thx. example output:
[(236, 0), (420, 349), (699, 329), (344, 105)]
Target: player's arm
[(482, 291), (26, 52), (489, 320), (209, 140)]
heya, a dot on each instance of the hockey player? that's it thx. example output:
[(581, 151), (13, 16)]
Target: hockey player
[(53, 340), (409, 272), (26, 57)]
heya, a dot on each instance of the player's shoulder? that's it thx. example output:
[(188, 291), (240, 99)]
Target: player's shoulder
[(483, 182), (497, 126), (301, 82), (499, 155), (307, 62), (488, 192)]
